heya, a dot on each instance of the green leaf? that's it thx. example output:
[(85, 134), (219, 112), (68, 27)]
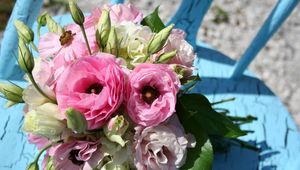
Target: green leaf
[(195, 108), (195, 155), (200, 157), (205, 159), (153, 21), (190, 83)]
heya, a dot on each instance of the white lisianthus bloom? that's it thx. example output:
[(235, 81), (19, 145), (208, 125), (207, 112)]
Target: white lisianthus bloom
[(161, 147), (44, 121), (33, 98), (133, 41), (114, 156)]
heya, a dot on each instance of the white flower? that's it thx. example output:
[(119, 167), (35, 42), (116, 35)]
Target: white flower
[(115, 157), (33, 98), (44, 121), (133, 41), (161, 147)]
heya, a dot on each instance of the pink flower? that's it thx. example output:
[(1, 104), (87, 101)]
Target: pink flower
[(185, 54), (58, 51), (94, 85), (151, 97), (161, 147), (39, 141), (43, 73), (120, 12), (75, 155)]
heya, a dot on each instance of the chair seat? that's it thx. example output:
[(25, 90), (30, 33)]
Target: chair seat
[(275, 133)]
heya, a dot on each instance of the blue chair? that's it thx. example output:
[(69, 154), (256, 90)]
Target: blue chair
[(275, 133)]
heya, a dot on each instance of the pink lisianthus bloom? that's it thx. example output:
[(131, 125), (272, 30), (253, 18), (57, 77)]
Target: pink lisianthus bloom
[(119, 13), (151, 94), (57, 51), (184, 51), (76, 155), (94, 85), (39, 141), (161, 147)]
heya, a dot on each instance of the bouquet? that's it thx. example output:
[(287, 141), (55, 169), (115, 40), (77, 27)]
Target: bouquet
[(112, 92)]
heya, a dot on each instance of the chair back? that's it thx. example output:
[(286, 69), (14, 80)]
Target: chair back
[(188, 17)]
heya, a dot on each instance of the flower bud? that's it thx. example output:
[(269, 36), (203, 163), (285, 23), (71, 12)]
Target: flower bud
[(12, 92), (33, 166), (164, 58), (159, 39), (9, 104), (24, 32), (185, 74), (53, 26), (49, 165), (76, 120), (112, 42), (103, 28), (115, 128), (25, 59), (44, 121), (42, 20), (76, 13)]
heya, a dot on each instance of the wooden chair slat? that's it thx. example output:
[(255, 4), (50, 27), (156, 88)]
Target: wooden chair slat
[(26, 11), (116, 1), (278, 15), (189, 17), (275, 133)]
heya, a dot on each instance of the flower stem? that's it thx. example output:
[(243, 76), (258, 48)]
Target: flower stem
[(223, 101), (146, 58), (38, 88), (45, 148), (85, 38), (34, 46)]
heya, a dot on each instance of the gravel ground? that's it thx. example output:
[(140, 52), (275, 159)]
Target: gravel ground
[(277, 64)]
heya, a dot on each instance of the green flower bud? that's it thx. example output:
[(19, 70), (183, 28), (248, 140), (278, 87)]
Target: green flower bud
[(112, 42), (115, 129), (12, 92), (103, 28), (164, 58), (159, 39), (24, 31), (44, 121), (76, 13), (42, 20), (185, 74), (9, 104), (76, 121), (33, 166), (25, 59), (53, 26), (49, 165)]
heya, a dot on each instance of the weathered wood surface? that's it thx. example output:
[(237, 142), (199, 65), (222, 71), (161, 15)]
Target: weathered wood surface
[(274, 131), (25, 11)]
